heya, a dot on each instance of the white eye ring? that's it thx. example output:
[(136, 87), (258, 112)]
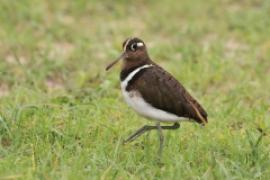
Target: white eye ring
[(133, 46), (139, 44)]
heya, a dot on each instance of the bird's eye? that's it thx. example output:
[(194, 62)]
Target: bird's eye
[(133, 47)]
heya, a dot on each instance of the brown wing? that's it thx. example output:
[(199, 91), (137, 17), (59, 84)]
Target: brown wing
[(163, 91)]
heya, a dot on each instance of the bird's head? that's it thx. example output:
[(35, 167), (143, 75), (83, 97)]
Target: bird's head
[(134, 51)]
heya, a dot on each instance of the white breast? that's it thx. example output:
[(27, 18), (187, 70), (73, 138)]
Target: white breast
[(135, 100)]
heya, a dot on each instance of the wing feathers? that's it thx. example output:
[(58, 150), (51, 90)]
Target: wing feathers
[(164, 92)]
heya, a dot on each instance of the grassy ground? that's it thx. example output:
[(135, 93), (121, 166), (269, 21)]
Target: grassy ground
[(63, 117)]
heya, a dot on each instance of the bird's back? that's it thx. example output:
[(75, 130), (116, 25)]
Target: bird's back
[(164, 92)]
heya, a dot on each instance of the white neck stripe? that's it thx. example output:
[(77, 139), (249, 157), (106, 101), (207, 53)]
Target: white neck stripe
[(135, 100), (132, 74)]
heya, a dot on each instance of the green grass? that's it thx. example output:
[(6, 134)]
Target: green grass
[(63, 117)]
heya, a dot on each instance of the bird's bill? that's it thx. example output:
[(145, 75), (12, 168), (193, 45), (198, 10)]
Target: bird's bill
[(115, 61)]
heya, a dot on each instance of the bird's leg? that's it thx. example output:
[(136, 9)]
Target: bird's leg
[(161, 139), (139, 132), (146, 128), (173, 127)]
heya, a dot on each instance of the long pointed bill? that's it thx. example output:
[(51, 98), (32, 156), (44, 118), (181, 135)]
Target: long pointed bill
[(115, 61)]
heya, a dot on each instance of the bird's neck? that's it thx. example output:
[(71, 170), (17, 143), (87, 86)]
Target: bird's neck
[(131, 65)]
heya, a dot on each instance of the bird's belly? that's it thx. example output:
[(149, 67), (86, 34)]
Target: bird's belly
[(135, 100)]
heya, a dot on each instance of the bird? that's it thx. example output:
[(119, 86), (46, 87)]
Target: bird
[(154, 93)]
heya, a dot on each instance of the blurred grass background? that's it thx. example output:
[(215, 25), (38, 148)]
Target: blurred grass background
[(63, 117)]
